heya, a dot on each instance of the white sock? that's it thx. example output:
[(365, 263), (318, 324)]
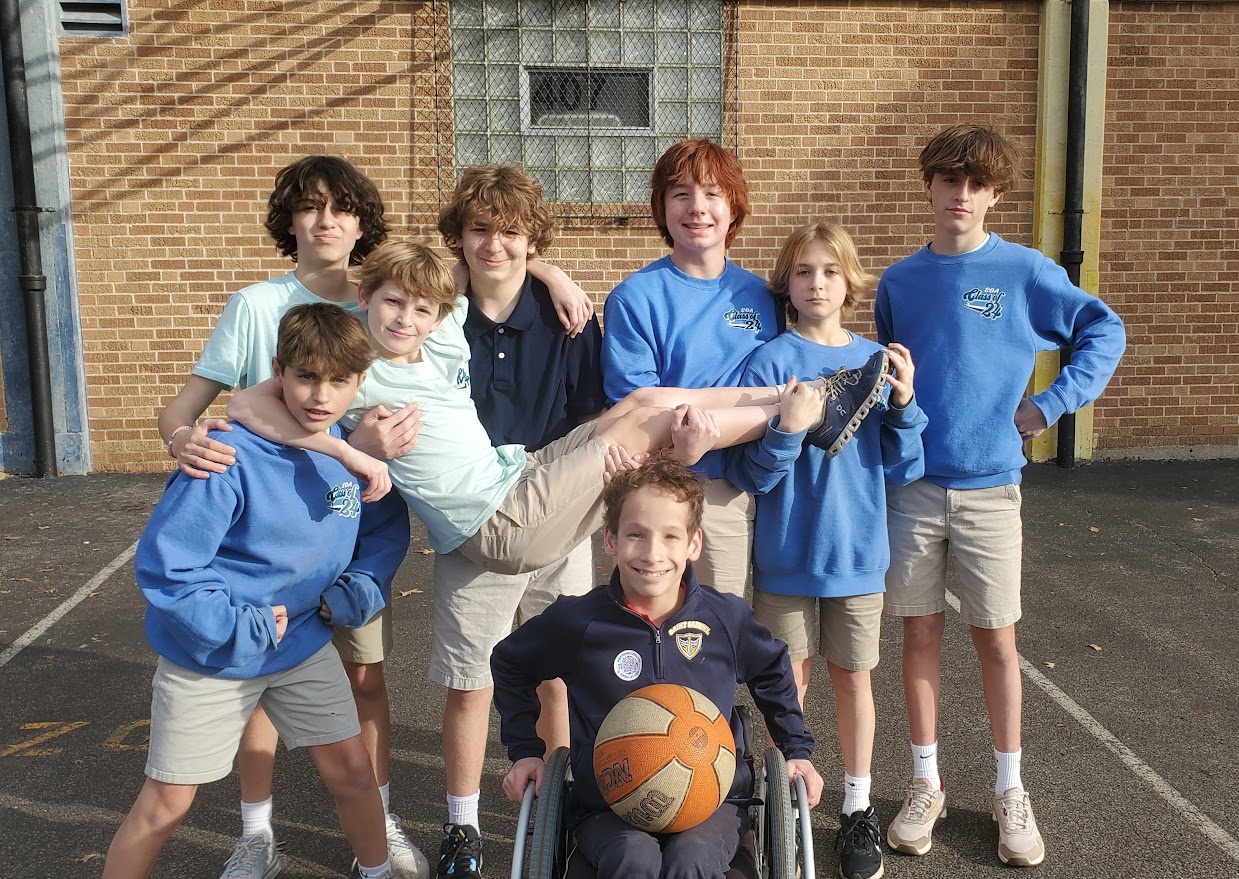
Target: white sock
[(925, 763), (856, 793), (1008, 771), (256, 818), (464, 810), (382, 871), (385, 793)]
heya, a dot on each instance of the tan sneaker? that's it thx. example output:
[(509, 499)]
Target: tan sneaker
[(1019, 841), (912, 831)]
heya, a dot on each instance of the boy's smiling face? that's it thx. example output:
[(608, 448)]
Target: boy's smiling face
[(495, 254), (652, 546), (698, 217), (399, 322)]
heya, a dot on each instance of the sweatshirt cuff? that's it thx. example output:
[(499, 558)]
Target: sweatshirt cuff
[(781, 440), (905, 417), (1050, 405), (341, 608)]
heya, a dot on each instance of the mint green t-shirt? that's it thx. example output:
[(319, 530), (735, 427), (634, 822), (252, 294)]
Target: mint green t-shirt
[(453, 479)]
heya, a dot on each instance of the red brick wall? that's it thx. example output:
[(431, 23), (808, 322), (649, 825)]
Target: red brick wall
[(1170, 224), (176, 132)]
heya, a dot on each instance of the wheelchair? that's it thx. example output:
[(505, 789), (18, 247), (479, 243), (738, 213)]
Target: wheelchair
[(778, 845)]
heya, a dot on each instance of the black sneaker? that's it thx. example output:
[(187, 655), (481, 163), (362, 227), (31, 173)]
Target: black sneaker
[(460, 855), (850, 394), (859, 843)]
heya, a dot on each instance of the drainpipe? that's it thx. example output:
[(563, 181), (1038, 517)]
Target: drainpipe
[(31, 280), (1072, 257)]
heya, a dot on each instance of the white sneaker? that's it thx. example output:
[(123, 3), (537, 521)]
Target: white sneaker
[(912, 831), (253, 857), (1019, 840), (407, 861)]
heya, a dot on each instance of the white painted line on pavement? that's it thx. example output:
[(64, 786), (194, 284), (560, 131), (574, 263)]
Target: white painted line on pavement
[(1127, 756), (36, 631)]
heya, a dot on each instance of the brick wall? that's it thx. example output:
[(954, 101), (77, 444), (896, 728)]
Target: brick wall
[(176, 132), (1170, 224)]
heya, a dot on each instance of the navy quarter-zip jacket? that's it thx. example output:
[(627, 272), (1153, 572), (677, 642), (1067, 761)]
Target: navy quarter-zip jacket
[(603, 651)]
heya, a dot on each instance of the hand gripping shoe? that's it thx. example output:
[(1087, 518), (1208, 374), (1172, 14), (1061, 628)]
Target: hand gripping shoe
[(850, 394)]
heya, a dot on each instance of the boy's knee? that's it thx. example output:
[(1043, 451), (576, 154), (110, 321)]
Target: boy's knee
[(347, 771), (368, 681), (995, 646), (923, 633), (163, 806)]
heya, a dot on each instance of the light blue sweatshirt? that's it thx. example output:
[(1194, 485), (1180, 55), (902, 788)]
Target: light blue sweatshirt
[(281, 526), (667, 329), (974, 324), (821, 523)]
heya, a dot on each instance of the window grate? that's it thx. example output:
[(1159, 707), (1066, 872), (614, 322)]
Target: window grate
[(588, 93), (94, 18)]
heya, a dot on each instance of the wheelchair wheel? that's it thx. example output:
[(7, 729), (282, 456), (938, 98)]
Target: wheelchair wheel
[(778, 830), (546, 855)]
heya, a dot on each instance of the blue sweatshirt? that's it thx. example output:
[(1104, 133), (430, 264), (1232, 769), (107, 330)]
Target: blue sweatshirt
[(281, 526), (603, 651), (821, 523), (668, 329), (974, 324)]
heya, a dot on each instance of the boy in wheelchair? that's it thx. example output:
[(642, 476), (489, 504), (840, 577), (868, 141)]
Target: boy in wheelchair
[(644, 628)]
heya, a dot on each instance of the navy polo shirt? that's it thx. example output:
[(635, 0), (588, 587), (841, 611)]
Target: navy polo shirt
[(531, 383)]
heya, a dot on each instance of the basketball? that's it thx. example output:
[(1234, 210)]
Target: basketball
[(664, 758)]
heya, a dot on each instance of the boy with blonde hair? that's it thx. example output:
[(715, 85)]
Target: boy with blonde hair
[(974, 310), (820, 547)]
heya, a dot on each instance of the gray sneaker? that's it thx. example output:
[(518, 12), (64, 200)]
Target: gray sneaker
[(253, 857), (407, 861), (1019, 840), (912, 831)]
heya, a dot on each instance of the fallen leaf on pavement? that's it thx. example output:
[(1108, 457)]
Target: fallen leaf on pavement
[(1095, 647)]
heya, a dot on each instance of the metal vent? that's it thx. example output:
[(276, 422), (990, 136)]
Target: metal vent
[(94, 18)]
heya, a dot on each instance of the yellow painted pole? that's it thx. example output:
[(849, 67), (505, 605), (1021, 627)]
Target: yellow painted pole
[(1048, 195)]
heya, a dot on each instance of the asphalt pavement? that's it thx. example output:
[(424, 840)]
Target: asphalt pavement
[(1131, 664)]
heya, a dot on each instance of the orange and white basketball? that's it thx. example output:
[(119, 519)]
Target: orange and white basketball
[(664, 758)]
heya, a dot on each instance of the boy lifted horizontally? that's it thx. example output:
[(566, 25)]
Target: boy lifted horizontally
[(503, 508), (245, 574), (653, 530), (531, 384), (974, 310)]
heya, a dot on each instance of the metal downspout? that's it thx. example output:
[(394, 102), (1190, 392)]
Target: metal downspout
[(1072, 256), (31, 280)]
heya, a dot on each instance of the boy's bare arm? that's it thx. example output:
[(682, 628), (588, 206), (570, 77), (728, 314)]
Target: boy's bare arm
[(261, 410), (187, 442)]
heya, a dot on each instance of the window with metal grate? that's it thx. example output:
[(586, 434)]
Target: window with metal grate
[(587, 93)]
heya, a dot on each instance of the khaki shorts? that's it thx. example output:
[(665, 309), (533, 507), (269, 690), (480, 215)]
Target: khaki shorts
[(845, 630), (197, 720), (554, 505), (727, 531), (474, 609), (978, 530), (366, 644)]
